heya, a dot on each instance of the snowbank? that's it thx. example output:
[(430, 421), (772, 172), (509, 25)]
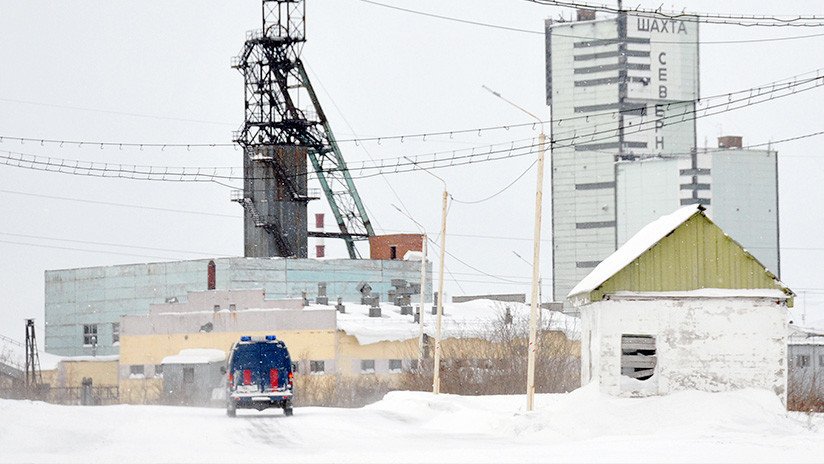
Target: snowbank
[(582, 426)]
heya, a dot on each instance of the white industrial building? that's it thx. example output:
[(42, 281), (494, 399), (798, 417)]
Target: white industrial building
[(682, 306)]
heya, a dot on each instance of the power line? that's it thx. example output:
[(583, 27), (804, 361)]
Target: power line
[(449, 18), (55, 247), (393, 137), (514, 181), (124, 205), (211, 174), (704, 17), (121, 113), (87, 242), (536, 32), (588, 137)]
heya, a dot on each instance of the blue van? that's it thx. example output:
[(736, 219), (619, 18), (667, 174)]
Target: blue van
[(260, 375)]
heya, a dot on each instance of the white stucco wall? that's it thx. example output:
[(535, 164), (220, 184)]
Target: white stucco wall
[(709, 344)]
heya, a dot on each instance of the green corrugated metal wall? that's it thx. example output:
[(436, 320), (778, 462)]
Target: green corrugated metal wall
[(695, 255)]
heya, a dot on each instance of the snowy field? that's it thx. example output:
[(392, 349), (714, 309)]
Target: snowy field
[(583, 426)]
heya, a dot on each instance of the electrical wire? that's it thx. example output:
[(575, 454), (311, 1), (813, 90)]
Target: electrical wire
[(514, 181), (87, 242), (536, 32), (704, 17), (123, 205), (394, 137), (121, 113), (202, 174)]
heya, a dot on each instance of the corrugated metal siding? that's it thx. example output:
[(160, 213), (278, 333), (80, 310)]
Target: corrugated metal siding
[(695, 255)]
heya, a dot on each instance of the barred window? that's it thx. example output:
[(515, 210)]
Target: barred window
[(395, 365), (367, 366), (317, 367), (89, 334)]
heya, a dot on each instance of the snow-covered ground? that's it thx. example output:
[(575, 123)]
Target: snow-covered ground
[(582, 426)]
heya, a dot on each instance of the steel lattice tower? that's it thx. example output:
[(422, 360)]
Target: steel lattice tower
[(279, 135)]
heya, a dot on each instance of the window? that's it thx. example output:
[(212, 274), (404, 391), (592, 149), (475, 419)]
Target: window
[(320, 251), (211, 273), (216, 308), (317, 367), (90, 334), (395, 365), (821, 360), (638, 356), (158, 370), (367, 366), (802, 360), (136, 370), (393, 252), (188, 375), (232, 307), (115, 333)]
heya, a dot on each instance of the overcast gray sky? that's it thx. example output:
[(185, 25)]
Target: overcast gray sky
[(159, 71)]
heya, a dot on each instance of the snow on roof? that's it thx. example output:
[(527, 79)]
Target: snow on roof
[(645, 239), (196, 356), (460, 320), (709, 293), (805, 336), (106, 358)]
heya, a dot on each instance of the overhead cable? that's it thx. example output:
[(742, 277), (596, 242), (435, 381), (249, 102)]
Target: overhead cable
[(702, 17)]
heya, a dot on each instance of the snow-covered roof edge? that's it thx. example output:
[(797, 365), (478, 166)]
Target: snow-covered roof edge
[(642, 241), (771, 293), (196, 356), (645, 239)]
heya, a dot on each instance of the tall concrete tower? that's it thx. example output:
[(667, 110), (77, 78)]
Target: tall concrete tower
[(606, 79)]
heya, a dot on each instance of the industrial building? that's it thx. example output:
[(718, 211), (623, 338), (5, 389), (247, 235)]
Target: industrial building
[(737, 186), (83, 306), (622, 93)]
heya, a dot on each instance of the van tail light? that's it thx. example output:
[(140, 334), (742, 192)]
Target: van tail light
[(291, 376), (231, 378), (247, 377), (273, 379)]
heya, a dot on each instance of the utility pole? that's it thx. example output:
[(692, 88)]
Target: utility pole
[(436, 379), (421, 311), (536, 260), (33, 377), (436, 375)]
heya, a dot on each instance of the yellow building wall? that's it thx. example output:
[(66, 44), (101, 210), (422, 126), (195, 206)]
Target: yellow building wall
[(696, 255), (151, 349), (71, 373), (350, 352)]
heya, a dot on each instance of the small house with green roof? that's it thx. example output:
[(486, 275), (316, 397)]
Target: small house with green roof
[(682, 306)]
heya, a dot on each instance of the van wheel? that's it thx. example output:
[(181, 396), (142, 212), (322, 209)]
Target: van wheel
[(287, 408), (231, 409)]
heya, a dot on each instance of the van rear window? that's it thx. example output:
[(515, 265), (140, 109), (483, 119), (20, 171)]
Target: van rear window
[(260, 355)]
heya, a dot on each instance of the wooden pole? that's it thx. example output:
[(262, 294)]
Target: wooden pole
[(536, 270), (423, 300), (436, 380)]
